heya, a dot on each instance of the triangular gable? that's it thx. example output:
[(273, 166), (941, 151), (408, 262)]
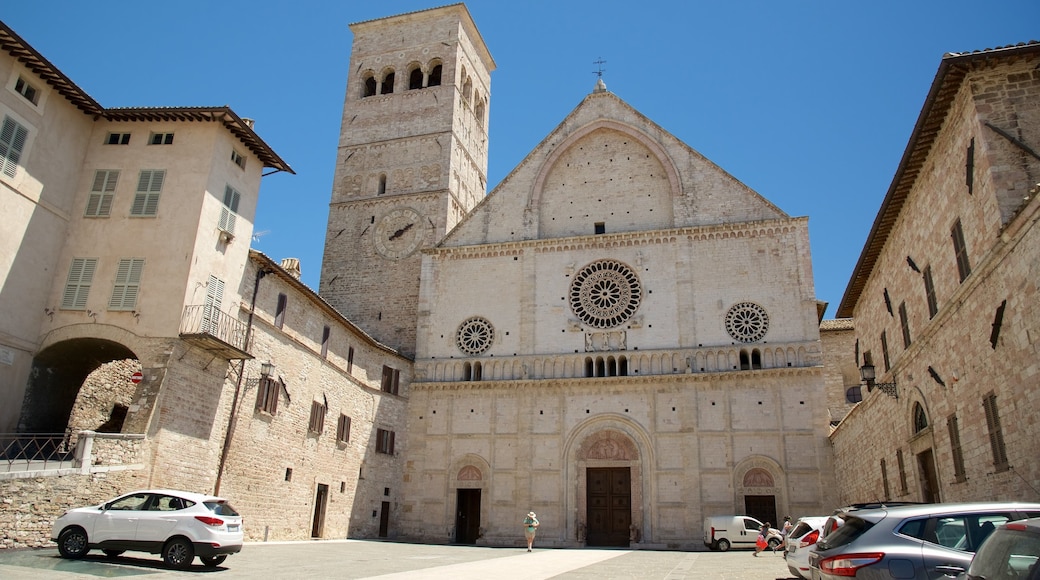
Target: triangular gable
[(607, 166)]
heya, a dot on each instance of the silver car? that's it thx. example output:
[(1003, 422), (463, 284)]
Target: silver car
[(922, 542)]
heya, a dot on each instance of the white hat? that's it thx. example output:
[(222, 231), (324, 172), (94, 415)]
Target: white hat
[(530, 514)]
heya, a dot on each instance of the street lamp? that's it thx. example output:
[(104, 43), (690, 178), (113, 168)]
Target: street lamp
[(867, 373), (266, 369)]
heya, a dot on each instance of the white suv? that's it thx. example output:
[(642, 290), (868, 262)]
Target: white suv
[(177, 524)]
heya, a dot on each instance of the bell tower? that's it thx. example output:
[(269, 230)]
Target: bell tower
[(412, 161)]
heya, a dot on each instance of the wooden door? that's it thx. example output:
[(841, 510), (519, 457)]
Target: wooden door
[(320, 500), (384, 519), (762, 508), (608, 506), (929, 477), (467, 516)]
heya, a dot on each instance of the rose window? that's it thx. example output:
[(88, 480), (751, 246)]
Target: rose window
[(605, 294), (475, 335), (747, 322)]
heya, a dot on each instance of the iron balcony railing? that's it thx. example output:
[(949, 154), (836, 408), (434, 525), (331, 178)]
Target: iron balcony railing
[(215, 330), (22, 451)]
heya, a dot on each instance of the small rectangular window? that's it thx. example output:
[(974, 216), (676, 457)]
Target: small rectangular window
[(969, 167), (77, 284), (267, 395), (904, 321), (996, 434), (149, 187), (929, 291), (27, 90), (161, 139), (118, 139), (99, 202), (317, 422), (127, 285), (238, 159), (955, 448), (960, 250), (350, 359), (343, 429), (601, 228), (288, 474), (325, 341), (279, 313), (384, 441), (13, 137)]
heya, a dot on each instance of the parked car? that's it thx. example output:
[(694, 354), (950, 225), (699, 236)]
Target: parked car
[(177, 524), (803, 536), (725, 532), (924, 541), (1012, 551)]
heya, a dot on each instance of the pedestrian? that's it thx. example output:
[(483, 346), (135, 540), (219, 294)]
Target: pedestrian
[(760, 542), (530, 525), (786, 530)]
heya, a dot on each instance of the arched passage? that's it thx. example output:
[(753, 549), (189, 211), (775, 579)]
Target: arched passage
[(59, 371)]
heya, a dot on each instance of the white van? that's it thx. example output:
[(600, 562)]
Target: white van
[(725, 532)]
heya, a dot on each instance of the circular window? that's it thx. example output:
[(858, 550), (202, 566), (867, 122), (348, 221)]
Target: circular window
[(475, 335), (605, 294), (747, 322)]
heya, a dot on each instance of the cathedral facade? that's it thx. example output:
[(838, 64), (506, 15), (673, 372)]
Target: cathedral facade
[(621, 336)]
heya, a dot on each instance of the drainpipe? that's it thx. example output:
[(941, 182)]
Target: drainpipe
[(233, 418)]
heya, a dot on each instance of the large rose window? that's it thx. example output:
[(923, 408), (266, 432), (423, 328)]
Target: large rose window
[(605, 294)]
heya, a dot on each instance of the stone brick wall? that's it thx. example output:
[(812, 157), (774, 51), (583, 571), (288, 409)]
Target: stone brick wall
[(103, 389)]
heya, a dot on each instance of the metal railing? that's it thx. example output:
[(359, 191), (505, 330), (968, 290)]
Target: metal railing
[(205, 319), (21, 451)]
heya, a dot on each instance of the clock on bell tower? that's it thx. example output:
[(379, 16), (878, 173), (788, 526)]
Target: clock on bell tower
[(412, 161)]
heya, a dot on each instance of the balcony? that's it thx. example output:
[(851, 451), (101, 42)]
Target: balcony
[(210, 329)]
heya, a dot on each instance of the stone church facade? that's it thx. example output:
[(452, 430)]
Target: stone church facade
[(621, 336)]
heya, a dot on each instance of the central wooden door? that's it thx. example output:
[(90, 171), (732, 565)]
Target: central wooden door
[(467, 517), (609, 506)]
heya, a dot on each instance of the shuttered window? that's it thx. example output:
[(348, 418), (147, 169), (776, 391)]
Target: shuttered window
[(149, 186), (903, 489), (99, 204), (128, 284), (960, 250), (955, 448), (211, 310), (996, 434), (929, 291), (317, 422), (384, 441), (77, 286), (229, 211), (12, 142), (267, 395), (343, 429), (391, 379)]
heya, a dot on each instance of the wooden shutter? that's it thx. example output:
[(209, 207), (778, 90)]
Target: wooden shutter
[(99, 204), (77, 286), (128, 284), (149, 186), (12, 141)]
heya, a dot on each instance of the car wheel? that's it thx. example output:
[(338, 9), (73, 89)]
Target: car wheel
[(72, 543), (723, 545), (213, 561), (773, 543), (113, 553), (178, 553)]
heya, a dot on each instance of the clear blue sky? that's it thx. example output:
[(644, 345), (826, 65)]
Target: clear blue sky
[(810, 103)]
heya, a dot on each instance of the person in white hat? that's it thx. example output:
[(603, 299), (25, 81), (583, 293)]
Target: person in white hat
[(530, 525)]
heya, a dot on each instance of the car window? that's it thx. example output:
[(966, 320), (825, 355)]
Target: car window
[(131, 502), (951, 532), (800, 530), (849, 531), (957, 532), (220, 508), (169, 503), (1008, 554), (982, 526)]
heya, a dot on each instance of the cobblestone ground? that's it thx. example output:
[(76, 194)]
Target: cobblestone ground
[(391, 561)]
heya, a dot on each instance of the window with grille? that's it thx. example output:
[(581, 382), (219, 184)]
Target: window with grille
[(317, 422), (903, 489), (343, 429), (229, 211), (391, 378), (955, 448), (77, 285), (996, 434), (146, 199), (267, 395), (27, 90), (929, 291), (99, 203), (118, 139), (960, 249), (161, 139), (13, 137), (127, 285), (384, 441)]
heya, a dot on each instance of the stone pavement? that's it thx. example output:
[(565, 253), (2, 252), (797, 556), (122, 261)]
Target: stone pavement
[(393, 561)]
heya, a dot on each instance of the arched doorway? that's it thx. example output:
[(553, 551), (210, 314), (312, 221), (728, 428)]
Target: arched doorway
[(610, 488), (59, 373), (470, 484), (760, 489)]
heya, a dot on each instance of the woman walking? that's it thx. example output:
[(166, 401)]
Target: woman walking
[(530, 525)]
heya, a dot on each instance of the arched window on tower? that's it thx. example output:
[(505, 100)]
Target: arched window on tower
[(415, 78), (467, 90), (387, 87), (382, 184), (370, 85), (478, 112), (435, 76)]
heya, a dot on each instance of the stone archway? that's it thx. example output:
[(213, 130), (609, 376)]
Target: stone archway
[(468, 499), (759, 485), (610, 490)]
